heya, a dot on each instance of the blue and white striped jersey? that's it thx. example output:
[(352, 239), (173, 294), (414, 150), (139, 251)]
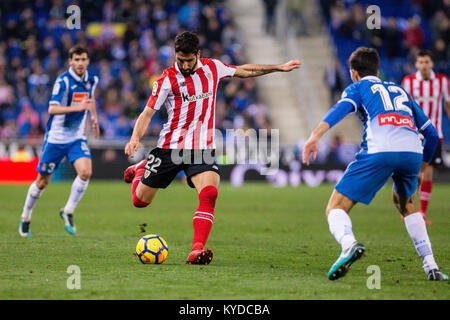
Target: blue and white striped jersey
[(392, 119), (69, 90)]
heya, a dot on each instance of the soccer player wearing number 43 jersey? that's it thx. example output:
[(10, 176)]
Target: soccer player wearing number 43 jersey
[(391, 147), (188, 91), (72, 98)]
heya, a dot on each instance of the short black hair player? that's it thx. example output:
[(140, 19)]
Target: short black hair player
[(391, 147), (188, 91)]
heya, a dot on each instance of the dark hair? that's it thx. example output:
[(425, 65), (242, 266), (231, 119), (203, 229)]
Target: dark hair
[(78, 49), (187, 42), (365, 61), (424, 53)]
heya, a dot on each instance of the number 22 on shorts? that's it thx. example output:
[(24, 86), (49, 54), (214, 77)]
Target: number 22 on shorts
[(152, 164)]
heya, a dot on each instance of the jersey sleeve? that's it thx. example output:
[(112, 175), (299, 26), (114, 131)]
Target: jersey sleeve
[(406, 84), (59, 89), (224, 70), (431, 139), (160, 92), (338, 112), (445, 89), (94, 86), (351, 94)]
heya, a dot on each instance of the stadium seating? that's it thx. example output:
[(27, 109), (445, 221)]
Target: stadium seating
[(346, 23), (130, 43)]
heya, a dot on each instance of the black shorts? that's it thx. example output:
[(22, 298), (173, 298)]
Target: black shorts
[(436, 161), (163, 165)]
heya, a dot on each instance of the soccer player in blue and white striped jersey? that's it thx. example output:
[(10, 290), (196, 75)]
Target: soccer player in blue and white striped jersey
[(72, 98), (391, 147)]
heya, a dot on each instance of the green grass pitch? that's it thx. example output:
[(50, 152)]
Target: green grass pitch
[(268, 243)]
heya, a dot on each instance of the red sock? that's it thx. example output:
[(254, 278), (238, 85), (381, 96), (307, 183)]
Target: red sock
[(425, 195), (136, 201), (204, 217)]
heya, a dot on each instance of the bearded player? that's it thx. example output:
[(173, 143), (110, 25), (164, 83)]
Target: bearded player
[(188, 91), (429, 89)]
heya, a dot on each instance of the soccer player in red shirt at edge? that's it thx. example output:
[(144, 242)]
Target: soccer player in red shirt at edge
[(428, 89), (188, 91)]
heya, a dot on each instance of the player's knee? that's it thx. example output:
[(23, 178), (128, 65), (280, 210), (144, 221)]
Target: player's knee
[(42, 182), (138, 203), (85, 175), (428, 173), (339, 201)]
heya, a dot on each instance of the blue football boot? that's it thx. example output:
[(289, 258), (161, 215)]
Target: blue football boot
[(68, 221), (437, 275), (24, 229), (345, 260)]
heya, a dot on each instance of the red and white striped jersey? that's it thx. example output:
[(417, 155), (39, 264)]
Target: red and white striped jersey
[(429, 95), (190, 103)]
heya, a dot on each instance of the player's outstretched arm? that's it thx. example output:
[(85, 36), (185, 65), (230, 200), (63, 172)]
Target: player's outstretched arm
[(140, 127), (256, 70)]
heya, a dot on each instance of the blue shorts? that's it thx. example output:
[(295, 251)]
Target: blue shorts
[(53, 153), (369, 172), (181, 175)]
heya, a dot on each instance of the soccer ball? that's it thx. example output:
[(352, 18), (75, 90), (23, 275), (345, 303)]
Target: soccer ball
[(152, 249)]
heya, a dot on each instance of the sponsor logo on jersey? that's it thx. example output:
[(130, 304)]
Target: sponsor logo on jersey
[(155, 88), (56, 88), (396, 120), (77, 97), (194, 97)]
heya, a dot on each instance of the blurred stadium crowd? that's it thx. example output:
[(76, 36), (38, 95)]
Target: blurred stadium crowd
[(406, 27), (130, 43)]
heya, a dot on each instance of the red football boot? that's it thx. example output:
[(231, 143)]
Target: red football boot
[(203, 256), (130, 172)]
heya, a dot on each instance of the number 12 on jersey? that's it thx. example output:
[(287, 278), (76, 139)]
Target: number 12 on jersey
[(399, 101)]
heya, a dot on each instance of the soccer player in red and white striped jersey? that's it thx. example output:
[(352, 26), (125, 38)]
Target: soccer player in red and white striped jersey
[(188, 91), (429, 90)]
